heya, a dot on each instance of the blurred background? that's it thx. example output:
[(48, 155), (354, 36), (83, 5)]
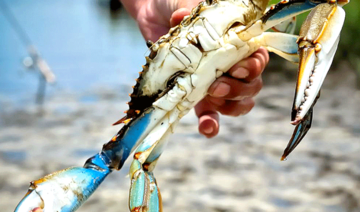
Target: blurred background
[(95, 50)]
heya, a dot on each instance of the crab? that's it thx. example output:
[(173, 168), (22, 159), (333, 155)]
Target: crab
[(179, 70)]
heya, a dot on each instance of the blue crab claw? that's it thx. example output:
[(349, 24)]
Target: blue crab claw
[(318, 41), (65, 190)]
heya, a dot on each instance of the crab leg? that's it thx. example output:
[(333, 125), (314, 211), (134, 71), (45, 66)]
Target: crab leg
[(67, 189), (317, 44), (282, 12), (144, 192), (281, 44), (319, 38), (288, 26)]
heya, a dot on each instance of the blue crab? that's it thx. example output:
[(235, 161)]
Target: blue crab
[(179, 70)]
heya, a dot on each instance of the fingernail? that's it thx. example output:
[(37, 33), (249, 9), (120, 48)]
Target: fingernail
[(240, 73), (208, 130), (221, 89)]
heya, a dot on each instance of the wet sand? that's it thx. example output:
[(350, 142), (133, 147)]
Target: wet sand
[(239, 170)]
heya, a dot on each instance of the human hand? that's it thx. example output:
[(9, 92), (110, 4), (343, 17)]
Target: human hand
[(231, 94)]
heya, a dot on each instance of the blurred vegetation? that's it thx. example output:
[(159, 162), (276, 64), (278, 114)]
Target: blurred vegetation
[(349, 46)]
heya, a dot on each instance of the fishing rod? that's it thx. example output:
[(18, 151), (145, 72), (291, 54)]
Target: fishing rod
[(34, 60)]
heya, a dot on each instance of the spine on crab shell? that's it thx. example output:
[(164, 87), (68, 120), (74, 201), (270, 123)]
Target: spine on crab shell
[(138, 102)]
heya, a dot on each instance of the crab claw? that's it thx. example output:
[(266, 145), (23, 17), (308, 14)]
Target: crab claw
[(65, 190), (318, 41)]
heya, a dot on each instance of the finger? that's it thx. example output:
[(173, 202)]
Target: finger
[(154, 33), (178, 16), (265, 52), (189, 4), (209, 124), (234, 108), (232, 89), (208, 118), (251, 67)]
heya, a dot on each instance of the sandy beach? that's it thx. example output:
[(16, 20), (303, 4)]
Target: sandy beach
[(238, 170)]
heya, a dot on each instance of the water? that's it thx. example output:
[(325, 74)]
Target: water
[(85, 45)]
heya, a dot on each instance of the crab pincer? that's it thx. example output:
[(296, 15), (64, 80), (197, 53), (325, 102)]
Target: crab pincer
[(318, 41)]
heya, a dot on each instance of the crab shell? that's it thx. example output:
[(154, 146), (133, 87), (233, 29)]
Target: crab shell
[(180, 51)]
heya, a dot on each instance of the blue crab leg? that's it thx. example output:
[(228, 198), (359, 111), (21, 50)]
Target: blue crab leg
[(66, 190), (288, 26), (281, 44), (319, 38), (144, 192), (317, 43), (282, 12), (287, 9), (113, 155)]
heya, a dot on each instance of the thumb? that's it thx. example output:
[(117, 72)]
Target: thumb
[(183, 9)]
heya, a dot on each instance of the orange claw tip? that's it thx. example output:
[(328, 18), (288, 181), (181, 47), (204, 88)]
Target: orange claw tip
[(136, 209), (137, 155), (283, 158)]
